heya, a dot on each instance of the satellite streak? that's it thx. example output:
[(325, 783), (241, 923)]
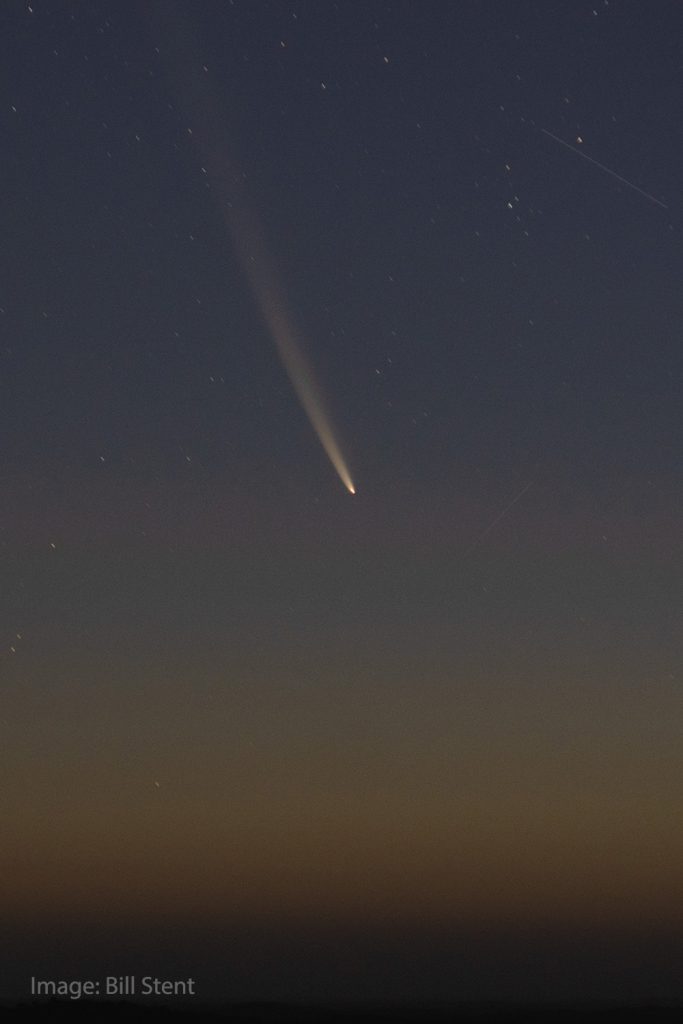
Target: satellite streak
[(500, 516), (602, 167)]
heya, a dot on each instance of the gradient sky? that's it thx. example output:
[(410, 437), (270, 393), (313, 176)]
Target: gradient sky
[(421, 741)]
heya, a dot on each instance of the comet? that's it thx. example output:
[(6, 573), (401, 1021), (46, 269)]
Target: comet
[(226, 177), (305, 386), (270, 297)]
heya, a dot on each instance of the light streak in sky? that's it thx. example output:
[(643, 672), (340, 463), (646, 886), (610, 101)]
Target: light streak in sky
[(265, 285), (206, 123), (602, 167), (500, 516), (302, 378)]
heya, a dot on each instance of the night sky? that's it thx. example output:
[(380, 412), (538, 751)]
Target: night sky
[(420, 741)]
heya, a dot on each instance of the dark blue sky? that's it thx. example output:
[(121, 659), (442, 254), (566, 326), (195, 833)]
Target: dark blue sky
[(384, 190)]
